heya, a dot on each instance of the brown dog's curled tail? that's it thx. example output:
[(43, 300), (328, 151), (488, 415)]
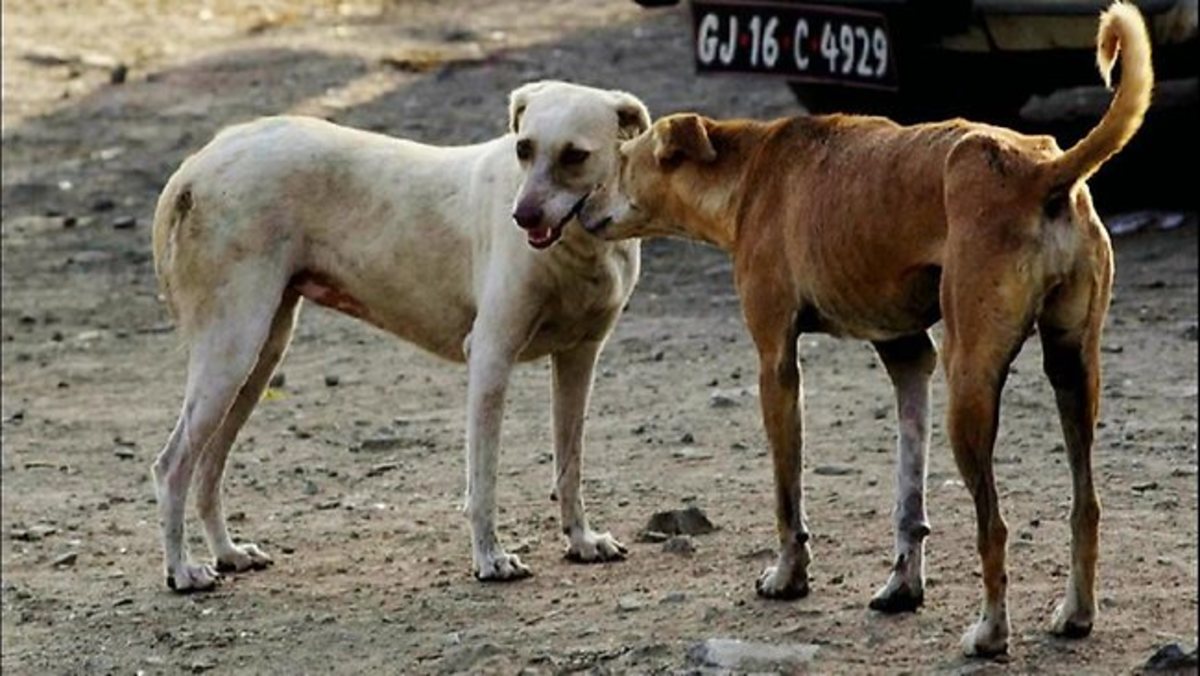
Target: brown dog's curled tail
[(1122, 31)]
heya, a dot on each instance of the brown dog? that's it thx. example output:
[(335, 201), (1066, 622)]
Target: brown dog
[(859, 227)]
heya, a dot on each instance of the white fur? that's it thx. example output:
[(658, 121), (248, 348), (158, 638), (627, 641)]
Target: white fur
[(419, 241)]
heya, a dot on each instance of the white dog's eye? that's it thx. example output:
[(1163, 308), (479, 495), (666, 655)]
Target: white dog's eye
[(524, 149), (573, 157)]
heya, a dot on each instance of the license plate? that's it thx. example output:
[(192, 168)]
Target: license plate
[(811, 43)]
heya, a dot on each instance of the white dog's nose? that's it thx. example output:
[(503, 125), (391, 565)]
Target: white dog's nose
[(528, 216)]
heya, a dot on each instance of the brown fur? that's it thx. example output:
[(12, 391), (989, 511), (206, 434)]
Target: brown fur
[(859, 227)]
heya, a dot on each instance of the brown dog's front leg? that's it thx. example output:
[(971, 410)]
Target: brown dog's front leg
[(781, 393), (910, 362)]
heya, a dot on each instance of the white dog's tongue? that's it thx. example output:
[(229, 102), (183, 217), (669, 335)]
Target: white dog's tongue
[(539, 234)]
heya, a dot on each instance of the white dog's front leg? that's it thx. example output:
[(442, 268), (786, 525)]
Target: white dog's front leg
[(573, 371), (489, 368)]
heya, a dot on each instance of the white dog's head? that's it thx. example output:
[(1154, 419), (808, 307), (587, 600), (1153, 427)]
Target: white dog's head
[(566, 139)]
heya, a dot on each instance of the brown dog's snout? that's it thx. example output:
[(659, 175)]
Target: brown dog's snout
[(529, 215)]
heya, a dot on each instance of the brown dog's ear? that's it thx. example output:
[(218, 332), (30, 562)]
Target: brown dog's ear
[(518, 99), (632, 116), (683, 137)]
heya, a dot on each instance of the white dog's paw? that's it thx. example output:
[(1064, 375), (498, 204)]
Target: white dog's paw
[(501, 567), (241, 558), (985, 638), (1071, 621), (899, 595), (782, 582), (192, 577), (592, 547)]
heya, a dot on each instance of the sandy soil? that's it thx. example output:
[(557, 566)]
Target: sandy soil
[(372, 552)]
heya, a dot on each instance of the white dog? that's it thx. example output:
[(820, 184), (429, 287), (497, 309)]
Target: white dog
[(417, 240)]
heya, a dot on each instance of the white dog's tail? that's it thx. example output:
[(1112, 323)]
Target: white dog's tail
[(174, 205), (1123, 32)]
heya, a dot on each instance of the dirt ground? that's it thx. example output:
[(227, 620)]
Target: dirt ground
[(372, 554)]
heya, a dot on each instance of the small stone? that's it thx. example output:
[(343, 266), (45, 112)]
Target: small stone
[(124, 454), (382, 468), (1183, 471), (66, 560), (310, 488), (1172, 657), (278, 380), (332, 380), (375, 444), (652, 536), (674, 597), (687, 438), (690, 454), (836, 470), (69, 222), (124, 223), (118, 74), (681, 545), (104, 204), (200, 666), (688, 521), (1146, 486), (720, 399), (744, 656), (629, 604), (880, 413)]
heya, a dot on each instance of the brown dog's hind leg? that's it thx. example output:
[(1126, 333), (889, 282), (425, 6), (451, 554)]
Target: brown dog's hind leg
[(210, 470), (1071, 359), (910, 362), (988, 303), (781, 394)]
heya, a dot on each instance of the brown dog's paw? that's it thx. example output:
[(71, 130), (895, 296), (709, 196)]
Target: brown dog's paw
[(773, 584), (900, 600)]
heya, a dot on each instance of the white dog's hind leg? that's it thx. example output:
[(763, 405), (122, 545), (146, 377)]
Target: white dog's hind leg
[(573, 371), (489, 366), (232, 557), (910, 362), (222, 355)]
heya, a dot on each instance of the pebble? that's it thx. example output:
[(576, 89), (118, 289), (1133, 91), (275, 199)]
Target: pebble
[(836, 470), (681, 545), (332, 380), (380, 444), (278, 380), (687, 438), (1147, 486), (688, 521), (382, 468), (1172, 657), (66, 560), (690, 454), (629, 604), (747, 656), (124, 454), (124, 223), (674, 597)]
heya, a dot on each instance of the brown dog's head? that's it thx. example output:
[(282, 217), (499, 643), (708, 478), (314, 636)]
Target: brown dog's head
[(659, 177), (566, 140)]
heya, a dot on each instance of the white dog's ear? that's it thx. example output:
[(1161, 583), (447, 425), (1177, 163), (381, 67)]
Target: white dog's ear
[(518, 99), (681, 137), (632, 116)]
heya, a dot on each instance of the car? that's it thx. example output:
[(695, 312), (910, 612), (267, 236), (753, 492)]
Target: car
[(925, 59)]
